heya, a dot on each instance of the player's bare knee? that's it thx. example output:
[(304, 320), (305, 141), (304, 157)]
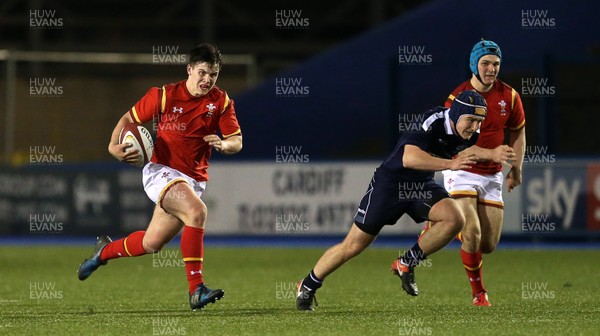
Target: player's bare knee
[(471, 236), (456, 222), (196, 216), (448, 215), (470, 243)]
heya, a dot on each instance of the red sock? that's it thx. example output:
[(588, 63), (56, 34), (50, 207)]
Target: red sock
[(125, 247), (192, 251), (472, 263)]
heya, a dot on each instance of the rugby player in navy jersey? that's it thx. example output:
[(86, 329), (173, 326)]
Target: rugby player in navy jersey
[(404, 184)]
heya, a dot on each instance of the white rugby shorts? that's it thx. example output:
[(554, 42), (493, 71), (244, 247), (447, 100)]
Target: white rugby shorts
[(486, 188), (159, 178)]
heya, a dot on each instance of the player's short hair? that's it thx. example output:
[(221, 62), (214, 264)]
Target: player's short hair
[(205, 52)]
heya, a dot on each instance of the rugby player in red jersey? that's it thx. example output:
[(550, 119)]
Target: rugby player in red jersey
[(478, 190), (189, 114)]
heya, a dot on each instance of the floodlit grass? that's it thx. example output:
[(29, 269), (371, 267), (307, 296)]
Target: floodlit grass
[(533, 292)]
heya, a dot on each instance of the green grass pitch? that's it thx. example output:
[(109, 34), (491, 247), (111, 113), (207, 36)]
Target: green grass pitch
[(533, 292)]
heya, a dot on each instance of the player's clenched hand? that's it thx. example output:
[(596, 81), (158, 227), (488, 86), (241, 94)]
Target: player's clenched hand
[(513, 178), (503, 154), (119, 151), (462, 161), (215, 142)]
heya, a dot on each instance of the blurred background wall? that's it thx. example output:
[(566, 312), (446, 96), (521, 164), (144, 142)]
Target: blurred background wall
[(327, 80), (96, 94)]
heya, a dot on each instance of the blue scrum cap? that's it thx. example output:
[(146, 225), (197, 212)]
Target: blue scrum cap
[(467, 102), (481, 49)]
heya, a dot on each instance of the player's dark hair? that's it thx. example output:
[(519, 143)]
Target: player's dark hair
[(205, 52)]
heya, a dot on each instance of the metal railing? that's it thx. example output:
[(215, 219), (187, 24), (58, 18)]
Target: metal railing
[(12, 57)]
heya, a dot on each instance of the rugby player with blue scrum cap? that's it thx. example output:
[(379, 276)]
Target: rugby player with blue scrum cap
[(478, 190), (446, 133)]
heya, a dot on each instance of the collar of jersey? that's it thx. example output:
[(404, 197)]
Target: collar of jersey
[(439, 115), (442, 114)]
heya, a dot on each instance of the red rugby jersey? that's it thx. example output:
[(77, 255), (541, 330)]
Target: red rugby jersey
[(181, 121), (505, 109)]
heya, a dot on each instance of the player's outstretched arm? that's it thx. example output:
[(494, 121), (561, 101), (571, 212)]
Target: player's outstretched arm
[(416, 158), (118, 150), (501, 154)]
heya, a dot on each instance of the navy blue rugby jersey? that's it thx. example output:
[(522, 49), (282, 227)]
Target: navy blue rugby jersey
[(434, 136)]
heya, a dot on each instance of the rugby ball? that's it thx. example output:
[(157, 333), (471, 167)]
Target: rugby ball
[(141, 139)]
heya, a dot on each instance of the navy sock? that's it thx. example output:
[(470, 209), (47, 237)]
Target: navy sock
[(412, 257), (312, 282)]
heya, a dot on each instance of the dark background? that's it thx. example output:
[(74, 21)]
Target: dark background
[(345, 59), (347, 56)]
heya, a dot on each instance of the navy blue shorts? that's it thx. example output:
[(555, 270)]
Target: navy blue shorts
[(388, 198)]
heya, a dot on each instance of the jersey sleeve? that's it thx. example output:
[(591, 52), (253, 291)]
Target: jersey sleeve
[(516, 121), (416, 139), (431, 127), (148, 106), (228, 123)]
